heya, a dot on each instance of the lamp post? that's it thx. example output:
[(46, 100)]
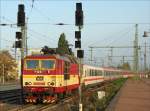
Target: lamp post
[(3, 73), (145, 35)]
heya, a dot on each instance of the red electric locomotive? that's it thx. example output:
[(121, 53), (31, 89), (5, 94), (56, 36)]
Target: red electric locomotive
[(47, 77)]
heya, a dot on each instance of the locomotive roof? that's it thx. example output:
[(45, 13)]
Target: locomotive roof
[(52, 56)]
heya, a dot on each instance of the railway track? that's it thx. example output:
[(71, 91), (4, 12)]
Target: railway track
[(10, 99), (10, 96), (13, 98), (40, 107)]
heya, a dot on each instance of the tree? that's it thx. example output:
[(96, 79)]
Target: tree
[(125, 66), (63, 46), (8, 66)]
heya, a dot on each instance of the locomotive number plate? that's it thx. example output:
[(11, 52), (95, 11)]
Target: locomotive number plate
[(39, 78)]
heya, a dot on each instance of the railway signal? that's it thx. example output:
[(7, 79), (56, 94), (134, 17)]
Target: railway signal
[(21, 39), (80, 53), (145, 55)]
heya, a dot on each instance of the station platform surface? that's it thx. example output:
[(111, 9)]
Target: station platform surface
[(133, 96), (9, 87)]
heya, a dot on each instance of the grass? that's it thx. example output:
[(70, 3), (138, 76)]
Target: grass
[(110, 90)]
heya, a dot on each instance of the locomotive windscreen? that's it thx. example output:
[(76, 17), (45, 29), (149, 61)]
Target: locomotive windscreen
[(40, 64), (32, 64), (47, 64)]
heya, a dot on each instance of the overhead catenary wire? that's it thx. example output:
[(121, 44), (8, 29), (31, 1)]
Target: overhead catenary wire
[(40, 12), (108, 23), (39, 33), (119, 37), (63, 23), (38, 38), (7, 40), (107, 38)]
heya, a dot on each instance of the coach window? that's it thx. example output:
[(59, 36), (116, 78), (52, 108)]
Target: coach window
[(110, 73), (92, 72), (96, 73), (88, 72), (106, 73), (100, 73), (85, 72)]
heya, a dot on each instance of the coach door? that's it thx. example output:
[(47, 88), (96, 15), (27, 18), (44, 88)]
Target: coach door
[(66, 73)]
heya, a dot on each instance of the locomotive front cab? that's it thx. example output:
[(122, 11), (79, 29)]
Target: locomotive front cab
[(39, 77), (49, 77), (37, 72)]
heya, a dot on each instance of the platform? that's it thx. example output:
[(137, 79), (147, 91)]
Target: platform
[(133, 96), (9, 87)]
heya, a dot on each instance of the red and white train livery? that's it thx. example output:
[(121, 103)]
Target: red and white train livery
[(48, 77)]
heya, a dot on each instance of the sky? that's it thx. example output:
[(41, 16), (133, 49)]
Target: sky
[(106, 23)]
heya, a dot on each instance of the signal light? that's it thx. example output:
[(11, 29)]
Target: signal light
[(80, 53), (78, 44), (21, 15), (18, 44), (79, 18), (21, 8), (78, 6), (18, 35), (79, 15), (78, 34)]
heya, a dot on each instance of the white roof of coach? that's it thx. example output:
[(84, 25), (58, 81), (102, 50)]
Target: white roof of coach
[(92, 67)]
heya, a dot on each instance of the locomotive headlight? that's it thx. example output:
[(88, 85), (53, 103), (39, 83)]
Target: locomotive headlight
[(28, 83), (51, 83)]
